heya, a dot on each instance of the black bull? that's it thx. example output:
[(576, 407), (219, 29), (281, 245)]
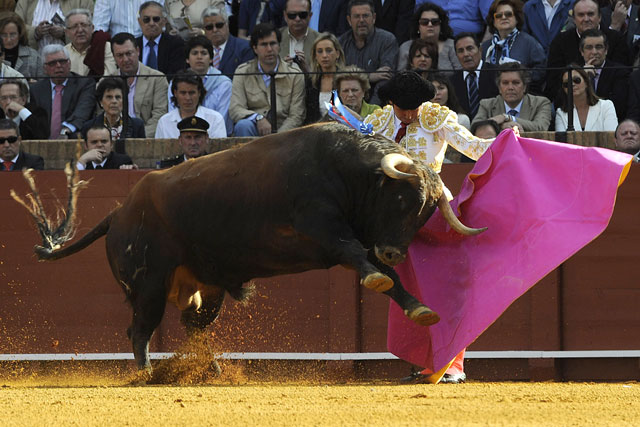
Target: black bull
[(310, 198)]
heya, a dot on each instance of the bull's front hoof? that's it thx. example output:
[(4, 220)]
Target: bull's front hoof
[(377, 282), (141, 377), (423, 316)]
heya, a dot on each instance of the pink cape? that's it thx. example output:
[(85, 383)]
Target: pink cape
[(542, 201)]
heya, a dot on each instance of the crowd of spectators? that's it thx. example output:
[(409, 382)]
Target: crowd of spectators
[(139, 67)]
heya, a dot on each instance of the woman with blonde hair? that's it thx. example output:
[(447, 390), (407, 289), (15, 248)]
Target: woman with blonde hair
[(327, 57)]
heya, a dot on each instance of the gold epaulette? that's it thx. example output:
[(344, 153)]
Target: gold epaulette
[(380, 118), (433, 116)]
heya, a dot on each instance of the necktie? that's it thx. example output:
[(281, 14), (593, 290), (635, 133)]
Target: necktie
[(56, 113), (401, 132), (216, 57), (8, 165), (152, 59), (513, 113), (474, 99)]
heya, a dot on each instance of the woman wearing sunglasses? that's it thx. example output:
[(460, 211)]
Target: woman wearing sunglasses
[(508, 44), (189, 12), (431, 23), (590, 113)]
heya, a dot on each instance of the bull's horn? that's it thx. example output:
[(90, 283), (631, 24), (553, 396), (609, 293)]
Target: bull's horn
[(454, 222), (390, 163)]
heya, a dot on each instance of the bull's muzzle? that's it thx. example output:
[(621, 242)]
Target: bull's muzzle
[(390, 255)]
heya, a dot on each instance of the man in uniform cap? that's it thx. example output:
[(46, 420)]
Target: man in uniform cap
[(193, 139)]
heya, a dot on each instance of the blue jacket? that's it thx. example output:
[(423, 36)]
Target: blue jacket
[(236, 52), (535, 21)]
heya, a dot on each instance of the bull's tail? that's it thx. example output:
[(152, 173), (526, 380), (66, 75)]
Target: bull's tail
[(55, 233), (95, 233)]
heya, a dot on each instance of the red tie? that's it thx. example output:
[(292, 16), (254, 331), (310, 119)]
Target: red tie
[(56, 113), (401, 132), (7, 165)]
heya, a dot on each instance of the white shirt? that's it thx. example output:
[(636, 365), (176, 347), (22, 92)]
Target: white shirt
[(168, 124), (118, 16), (550, 11), (517, 108)]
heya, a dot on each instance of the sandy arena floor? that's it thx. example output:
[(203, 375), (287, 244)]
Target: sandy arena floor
[(29, 398)]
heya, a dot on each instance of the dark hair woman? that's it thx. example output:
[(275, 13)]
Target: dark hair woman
[(110, 95), (431, 23), (589, 112)]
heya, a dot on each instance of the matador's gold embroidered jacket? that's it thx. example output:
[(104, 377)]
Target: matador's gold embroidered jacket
[(427, 137)]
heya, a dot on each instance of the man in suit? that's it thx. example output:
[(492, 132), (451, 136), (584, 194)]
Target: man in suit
[(228, 51), (544, 29), (514, 106), (610, 79), (12, 158), (68, 101), (99, 152), (297, 38), (395, 16), (158, 50), (628, 138), (622, 16), (564, 49), (193, 141), (31, 119), (147, 93), (250, 106), (476, 80)]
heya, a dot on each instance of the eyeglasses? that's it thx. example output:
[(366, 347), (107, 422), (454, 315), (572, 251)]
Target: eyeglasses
[(575, 80), (9, 98), (79, 26), (9, 35), (56, 62), (508, 14), (10, 139), (218, 25), (301, 15), (425, 22), (147, 19)]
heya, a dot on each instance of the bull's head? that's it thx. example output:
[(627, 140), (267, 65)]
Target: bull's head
[(415, 203)]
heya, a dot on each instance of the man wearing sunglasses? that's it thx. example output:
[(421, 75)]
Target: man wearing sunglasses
[(118, 16), (14, 159), (298, 38), (69, 99), (228, 51), (158, 50)]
